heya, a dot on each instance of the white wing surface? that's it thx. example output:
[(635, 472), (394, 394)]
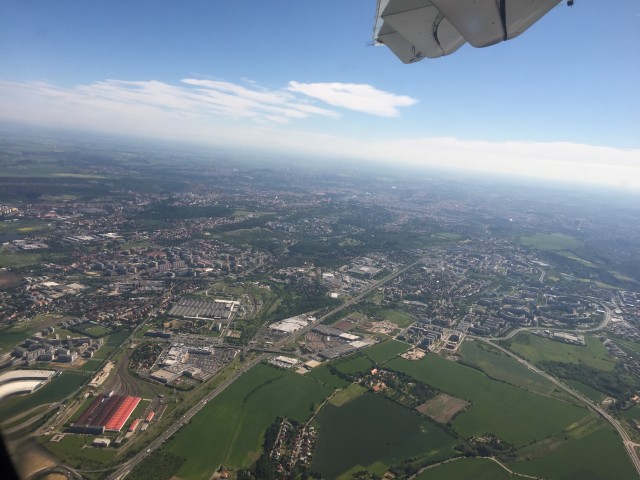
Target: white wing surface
[(417, 29)]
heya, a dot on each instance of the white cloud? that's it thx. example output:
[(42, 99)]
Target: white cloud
[(225, 114), (353, 96)]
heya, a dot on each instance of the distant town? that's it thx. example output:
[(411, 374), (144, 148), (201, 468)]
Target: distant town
[(144, 294)]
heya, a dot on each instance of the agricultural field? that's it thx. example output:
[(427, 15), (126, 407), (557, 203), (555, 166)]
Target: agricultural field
[(596, 455), (322, 374), (512, 413), (230, 429), (442, 408), (551, 241), (372, 432), (60, 387), (354, 364), (500, 366), (346, 395), (385, 351), (466, 468), (536, 349)]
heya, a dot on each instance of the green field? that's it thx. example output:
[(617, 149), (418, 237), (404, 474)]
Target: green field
[(230, 429), (97, 331), (465, 469), (631, 413), (354, 365), (385, 351), (18, 259), (22, 226), (372, 432), (60, 387), (536, 349), (323, 375), (75, 450), (500, 366), (598, 455), (587, 390), (551, 241), (401, 319), (346, 395), (514, 414), (11, 337)]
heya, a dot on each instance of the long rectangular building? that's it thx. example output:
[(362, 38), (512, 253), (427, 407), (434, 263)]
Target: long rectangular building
[(107, 412)]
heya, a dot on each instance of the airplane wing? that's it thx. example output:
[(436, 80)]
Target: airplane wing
[(418, 29)]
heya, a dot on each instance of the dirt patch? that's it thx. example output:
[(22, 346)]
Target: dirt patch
[(9, 280), (442, 408), (413, 354)]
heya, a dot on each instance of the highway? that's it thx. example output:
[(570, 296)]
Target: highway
[(628, 443), (126, 467)]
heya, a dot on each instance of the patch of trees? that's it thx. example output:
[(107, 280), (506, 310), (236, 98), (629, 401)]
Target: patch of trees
[(616, 384), (163, 211), (488, 445), (160, 465)]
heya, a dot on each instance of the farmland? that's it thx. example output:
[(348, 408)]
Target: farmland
[(514, 414), (596, 455), (373, 433), (385, 351), (465, 468), (553, 241), (323, 374), (354, 364), (230, 429), (536, 349), (502, 367)]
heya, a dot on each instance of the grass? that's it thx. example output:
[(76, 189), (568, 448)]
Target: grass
[(551, 241), (18, 259), (586, 390), (502, 367), (11, 337), (229, 430), (22, 226), (372, 432), (385, 351), (346, 395), (597, 455), (57, 389), (401, 319), (74, 450), (632, 413), (323, 375), (465, 468), (97, 331), (354, 365), (514, 414), (536, 349)]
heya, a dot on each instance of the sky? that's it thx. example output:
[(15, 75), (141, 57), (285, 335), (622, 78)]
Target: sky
[(561, 101)]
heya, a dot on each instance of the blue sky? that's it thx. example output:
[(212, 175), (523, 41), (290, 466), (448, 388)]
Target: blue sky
[(560, 101)]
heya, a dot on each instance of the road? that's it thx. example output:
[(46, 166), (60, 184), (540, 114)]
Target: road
[(626, 439), (603, 324), (126, 467)]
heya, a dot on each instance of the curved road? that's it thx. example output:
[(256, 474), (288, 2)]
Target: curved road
[(626, 439)]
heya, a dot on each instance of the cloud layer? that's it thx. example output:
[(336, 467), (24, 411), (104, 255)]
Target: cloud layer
[(247, 116), (209, 98), (360, 97)]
